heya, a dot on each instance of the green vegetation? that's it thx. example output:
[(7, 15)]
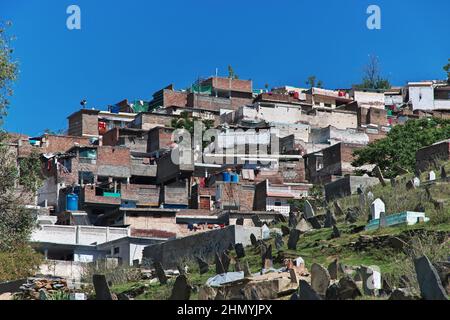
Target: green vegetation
[(447, 69), (399, 147), (312, 82), (372, 78), (8, 69)]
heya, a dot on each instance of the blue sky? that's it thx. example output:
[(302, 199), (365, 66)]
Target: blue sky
[(130, 49)]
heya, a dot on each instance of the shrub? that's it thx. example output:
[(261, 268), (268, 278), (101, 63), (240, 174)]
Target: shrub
[(18, 264)]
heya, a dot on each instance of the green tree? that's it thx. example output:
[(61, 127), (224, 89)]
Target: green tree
[(8, 70), (372, 78), (231, 73), (447, 69), (187, 123), (312, 82), (399, 147)]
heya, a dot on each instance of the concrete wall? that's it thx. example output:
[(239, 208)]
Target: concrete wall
[(421, 96), (430, 155), (347, 185), (203, 244), (67, 269)]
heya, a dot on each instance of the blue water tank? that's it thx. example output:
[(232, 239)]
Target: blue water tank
[(226, 177), (234, 178), (72, 202)]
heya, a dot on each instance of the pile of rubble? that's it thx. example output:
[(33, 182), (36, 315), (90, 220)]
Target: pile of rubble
[(40, 288)]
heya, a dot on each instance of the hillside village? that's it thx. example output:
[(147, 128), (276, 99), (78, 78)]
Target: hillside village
[(269, 205)]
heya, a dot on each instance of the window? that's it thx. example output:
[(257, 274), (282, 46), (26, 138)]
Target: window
[(85, 177), (277, 204), (116, 250)]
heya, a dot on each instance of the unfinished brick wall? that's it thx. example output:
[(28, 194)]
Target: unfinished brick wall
[(113, 156), (293, 171), (158, 138), (54, 143), (431, 155), (230, 84), (148, 121), (84, 123), (174, 98), (111, 138)]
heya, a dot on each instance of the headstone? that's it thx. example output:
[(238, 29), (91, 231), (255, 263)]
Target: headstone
[(303, 226), (335, 233), (332, 292), (237, 266), (202, 265), (410, 185), (330, 219), (225, 261), (347, 289), (279, 243), (314, 222), (257, 221), (267, 258), (254, 294), (285, 230), (240, 251), (416, 182), (352, 214), (362, 201), (181, 289), (338, 209), (293, 239), (383, 221), (393, 182), (160, 272), (333, 269), (101, 287), (359, 190), (293, 276), (379, 175), (253, 239), (306, 292), (308, 210), (240, 221), (320, 279), (247, 272), (443, 173), (265, 232), (376, 207), (219, 266), (292, 220), (370, 196), (371, 280), (432, 176), (43, 294), (429, 282)]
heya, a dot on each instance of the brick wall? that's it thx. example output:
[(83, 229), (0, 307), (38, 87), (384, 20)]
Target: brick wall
[(230, 84), (158, 138), (427, 156), (84, 122), (175, 98), (113, 156)]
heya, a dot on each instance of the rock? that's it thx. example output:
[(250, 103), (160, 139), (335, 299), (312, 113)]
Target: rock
[(285, 230), (303, 226), (101, 287), (330, 220), (202, 265), (306, 292), (338, 209), (348, 289), (181, 289), (430, 284), (336, 233), (402, 294), (240, 251), (332, 292), (219, 266), (314, 222), (206, 293), (293, 239), (320, 279), (160, 274), (333, 269)]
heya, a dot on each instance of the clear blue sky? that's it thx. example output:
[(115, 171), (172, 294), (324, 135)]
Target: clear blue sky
[(130, 49)]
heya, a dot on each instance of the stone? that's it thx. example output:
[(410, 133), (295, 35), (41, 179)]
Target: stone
[(308, 210), (379, 175), (352, 214), (335, 233), (347, 289), (265, 231), (285, 230), (320, 279), (303, 226), (292, 220), (402, 294), (206, 293), (267, 258), (332, 292), (306, 292), (371, 280), (338, 209), (443, 173), (253, 239), (160, 274), (383, 221), (362, 201), (370, 196), (429, 282), (247, 272), (410, 185), (416, 182), (315, 223), (294, 296), (219, 266), (202, 265), (333, 269), (330, 220), (181, 289), (294, 235), (279, 243), (240, 221), (101, 287), (431, 176), (257, 221), (376, 207), (254, 294), (225, 258), (393, 182), (240, 251), (293, 276)]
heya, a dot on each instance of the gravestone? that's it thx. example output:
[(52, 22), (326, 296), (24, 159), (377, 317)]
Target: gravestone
[(376, 207), (237, 266), (160, 272), (240, 221), (292, 220), (362, 201), (219, 266), (333, 269), (347, 289), (383, 221), (254, 294), (429, 282), (371, 280), (359, 190), (265, 231), (225, 261), (410, 185), (330, 219), (285, 230), (293, 239), (416, 182), (443, 173), (352, 214), (370, 196), (253, 239), (393, 182), (101, 287), (247, 272), (266, 258), (338, 209), (303, 226), (320, 279), (279, 243), (181, 289), (315, 223), (240, 251), (306, 292), (202, 265), (257, 221), (431, 176), (293, 276), (379, 175), (308, 210), (335, 233)]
